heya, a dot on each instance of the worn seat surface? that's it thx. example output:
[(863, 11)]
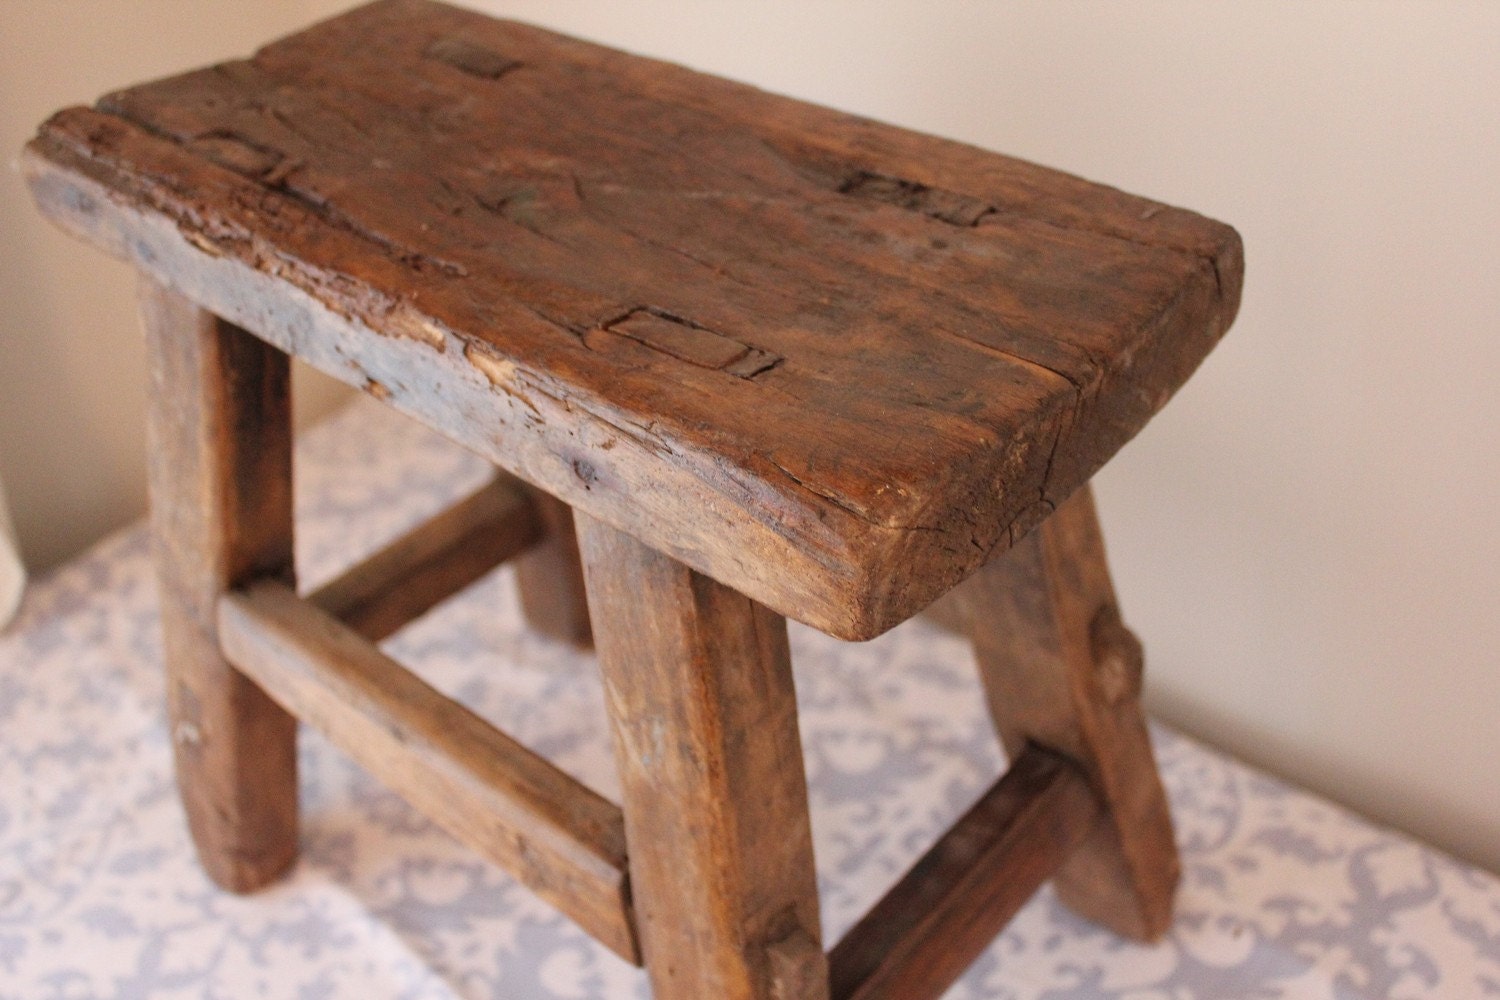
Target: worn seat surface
[(829, 362)]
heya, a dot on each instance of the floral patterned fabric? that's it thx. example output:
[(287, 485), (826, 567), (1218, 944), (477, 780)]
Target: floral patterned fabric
[(1283, 895)]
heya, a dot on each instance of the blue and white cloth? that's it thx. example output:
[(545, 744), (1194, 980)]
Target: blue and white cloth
[(1283, 895)]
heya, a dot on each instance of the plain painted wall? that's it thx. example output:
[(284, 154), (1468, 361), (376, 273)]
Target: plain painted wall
[(72, 361), (1306, 538)]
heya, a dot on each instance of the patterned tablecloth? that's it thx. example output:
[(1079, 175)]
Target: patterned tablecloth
[(1283, 895)]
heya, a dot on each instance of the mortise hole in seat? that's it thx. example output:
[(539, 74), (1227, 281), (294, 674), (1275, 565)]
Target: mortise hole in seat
[(951, 207), (467, 57)]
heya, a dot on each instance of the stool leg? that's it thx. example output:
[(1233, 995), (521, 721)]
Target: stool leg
[(699, 685), (1061, 669), (550, 576), (219, 434)]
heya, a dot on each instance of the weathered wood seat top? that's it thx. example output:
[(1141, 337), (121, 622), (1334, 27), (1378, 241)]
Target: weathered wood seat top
[(833, 363)]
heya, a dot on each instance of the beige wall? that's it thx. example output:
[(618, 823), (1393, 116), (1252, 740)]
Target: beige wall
[(1306, 538), (72, 376)]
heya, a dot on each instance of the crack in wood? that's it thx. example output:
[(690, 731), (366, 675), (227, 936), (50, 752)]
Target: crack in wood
[(243, 156), (251, 160)]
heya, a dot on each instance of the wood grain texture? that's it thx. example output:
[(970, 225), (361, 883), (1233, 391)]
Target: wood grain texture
[(219, 441), (931, 925), (829, 362), (549, 576), (699, 687), (1061, 670), (434, 561), (555, 835)]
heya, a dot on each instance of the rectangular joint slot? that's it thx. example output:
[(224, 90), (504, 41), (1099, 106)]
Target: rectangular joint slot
[(687, 341), (930, 927), (413, 574), (952, 207), (470, 57), (551, 832)]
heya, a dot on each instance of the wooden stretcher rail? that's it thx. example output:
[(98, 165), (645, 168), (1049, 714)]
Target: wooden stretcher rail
[(554, 834), (944, 912), (410, 576)]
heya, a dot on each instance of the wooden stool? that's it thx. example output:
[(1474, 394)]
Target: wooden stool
[(771, 360)]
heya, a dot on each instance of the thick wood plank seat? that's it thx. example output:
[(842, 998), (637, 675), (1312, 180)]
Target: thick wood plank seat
[(832, 364)]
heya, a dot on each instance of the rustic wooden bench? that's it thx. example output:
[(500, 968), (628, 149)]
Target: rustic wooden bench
[(754, 359)]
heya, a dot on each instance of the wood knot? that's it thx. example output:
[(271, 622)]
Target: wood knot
[(587, 474), (1119, 660)]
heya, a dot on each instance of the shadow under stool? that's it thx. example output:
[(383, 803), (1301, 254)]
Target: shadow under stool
[(736, 359)]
